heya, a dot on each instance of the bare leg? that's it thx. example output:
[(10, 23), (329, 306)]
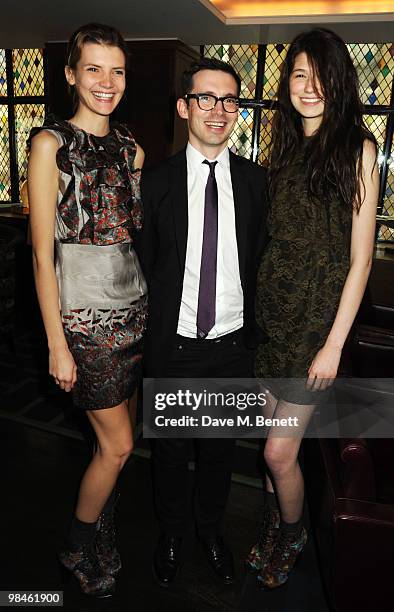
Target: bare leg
[(115, 444), (261, 551), (281, 541), (281, 456), (132, 406), (268, 413)]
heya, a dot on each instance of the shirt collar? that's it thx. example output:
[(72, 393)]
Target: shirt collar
[(195, 158)]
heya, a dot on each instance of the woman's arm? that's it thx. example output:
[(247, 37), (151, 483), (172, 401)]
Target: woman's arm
[(326, 362), (43, 188), (139, 157)]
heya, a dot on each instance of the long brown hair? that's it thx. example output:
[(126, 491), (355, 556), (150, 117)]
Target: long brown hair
[(333, 155)]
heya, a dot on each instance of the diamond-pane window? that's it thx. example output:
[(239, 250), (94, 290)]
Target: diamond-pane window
[(241, 138), (243, 58), (3, 74), (386, 233), (377, 125), (275, 55), (26, 117), (265, 136), (5, 173), (28, 68), (375, 68)]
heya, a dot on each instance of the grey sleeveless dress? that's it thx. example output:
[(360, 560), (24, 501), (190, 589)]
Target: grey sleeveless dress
[(102, 289)]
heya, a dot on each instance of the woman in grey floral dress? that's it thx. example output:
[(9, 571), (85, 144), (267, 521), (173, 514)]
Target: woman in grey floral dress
[(324, 189), (84, 196)]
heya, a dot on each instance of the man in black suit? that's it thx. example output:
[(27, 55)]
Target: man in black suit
[(204, 230)]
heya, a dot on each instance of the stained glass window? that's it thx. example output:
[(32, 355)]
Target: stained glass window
[(375, 67), (241, 138), (377, 124), (22, 109), (265, 136), (5, 174), (243, 58), (26, 117), (3, 75), (275, 54), (28, 70), (385, 232), (374, 64)]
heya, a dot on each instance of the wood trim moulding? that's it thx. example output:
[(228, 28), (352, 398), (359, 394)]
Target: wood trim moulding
[(289, 19), (212, 8)]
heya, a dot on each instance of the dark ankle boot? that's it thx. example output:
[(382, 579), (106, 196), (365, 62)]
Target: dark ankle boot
[(105, 543), (84, 565), (261, 552)]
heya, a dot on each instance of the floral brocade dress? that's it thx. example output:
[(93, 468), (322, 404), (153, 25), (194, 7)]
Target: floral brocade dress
[(300, 281), (102, 290)]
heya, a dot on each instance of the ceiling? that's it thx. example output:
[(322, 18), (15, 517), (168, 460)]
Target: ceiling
[(237, 12), (30, 23)]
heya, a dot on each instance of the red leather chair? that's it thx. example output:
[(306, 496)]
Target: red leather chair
[(350, 487)]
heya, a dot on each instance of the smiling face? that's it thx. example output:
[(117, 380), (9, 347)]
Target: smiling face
[(209, 131), (306, 94), (99, 78)]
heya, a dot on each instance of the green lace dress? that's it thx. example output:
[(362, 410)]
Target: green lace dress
[(300, 280)]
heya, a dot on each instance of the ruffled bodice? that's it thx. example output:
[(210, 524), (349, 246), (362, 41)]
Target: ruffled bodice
[(99, 197)]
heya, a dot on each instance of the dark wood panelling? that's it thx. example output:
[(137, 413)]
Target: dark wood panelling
[(153, 81)]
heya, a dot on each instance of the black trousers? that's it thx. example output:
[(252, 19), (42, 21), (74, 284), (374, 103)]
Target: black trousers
[(222, 358)]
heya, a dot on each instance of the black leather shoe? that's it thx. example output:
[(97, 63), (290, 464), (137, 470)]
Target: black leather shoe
[(166, 559), (220, 558)]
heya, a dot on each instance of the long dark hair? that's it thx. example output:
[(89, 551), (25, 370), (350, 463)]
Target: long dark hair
[(333, 155)]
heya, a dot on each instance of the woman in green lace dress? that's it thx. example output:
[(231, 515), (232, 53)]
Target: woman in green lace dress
[(324, 189)]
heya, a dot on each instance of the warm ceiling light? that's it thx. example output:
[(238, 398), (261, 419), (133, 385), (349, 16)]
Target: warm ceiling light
[(234, 12)]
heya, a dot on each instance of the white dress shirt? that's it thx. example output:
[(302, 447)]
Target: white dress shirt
[(229, 296)]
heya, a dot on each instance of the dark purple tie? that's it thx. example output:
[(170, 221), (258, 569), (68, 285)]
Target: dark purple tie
[(206, 310)]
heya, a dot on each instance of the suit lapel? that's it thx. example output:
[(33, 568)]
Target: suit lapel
[(241, 205), (178, 182)]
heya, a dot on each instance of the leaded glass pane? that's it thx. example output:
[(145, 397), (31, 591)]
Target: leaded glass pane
[(385, 233), (28, 67), (5, 175), (375, 67), (265, 136), (241, 138), (26, 117), (377, 125), (275, 55), (3, 74), (243, 58)]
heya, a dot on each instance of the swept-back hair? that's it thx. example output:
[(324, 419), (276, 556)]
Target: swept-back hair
[(207, 63), (334, 154), (96, 33)]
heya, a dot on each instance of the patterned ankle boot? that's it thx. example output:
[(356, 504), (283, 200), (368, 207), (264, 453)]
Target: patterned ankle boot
[(261, 552), (105, 543), (287, 549), (85, 566)]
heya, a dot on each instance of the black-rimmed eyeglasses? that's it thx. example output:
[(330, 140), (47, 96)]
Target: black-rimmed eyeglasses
[(207, 102)]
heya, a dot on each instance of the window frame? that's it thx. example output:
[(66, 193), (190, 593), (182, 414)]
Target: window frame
[(258, 104), (11, 100)]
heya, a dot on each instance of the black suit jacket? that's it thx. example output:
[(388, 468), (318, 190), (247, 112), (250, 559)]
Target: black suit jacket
[(162, 243)]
